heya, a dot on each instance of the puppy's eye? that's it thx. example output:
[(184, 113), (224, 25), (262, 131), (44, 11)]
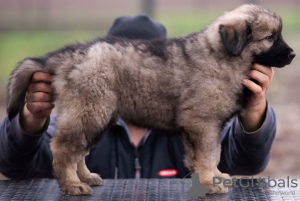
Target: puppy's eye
[(270, 38)]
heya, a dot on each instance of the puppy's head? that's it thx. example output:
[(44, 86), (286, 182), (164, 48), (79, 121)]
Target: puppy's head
[(257, 31)]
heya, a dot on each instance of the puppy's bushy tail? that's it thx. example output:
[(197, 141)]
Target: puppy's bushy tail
[(18, 83)]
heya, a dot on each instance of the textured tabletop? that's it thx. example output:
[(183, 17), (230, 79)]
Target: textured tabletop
[(142, 189)]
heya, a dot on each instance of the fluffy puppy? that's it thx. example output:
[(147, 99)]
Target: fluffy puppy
[(191, 84)]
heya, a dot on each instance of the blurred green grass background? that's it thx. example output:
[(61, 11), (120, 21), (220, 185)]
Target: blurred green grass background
[(17, 45)]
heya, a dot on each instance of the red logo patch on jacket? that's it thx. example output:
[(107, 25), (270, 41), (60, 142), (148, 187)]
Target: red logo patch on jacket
[(167, 172)]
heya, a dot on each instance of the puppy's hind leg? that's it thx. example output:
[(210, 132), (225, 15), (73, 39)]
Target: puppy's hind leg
[(92, 179), (77, 128), (68, 148)]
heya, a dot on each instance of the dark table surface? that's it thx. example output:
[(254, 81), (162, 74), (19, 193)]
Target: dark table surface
[(142, 189)]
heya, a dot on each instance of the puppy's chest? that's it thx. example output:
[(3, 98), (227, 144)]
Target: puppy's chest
[(227, 90)]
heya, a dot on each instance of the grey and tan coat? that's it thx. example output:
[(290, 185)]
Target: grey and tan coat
[(191, 84)]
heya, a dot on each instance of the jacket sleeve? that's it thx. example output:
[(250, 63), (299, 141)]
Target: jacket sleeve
[(247, 153), (24, 156)]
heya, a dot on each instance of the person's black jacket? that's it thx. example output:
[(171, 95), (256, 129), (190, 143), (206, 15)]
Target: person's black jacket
[(24, 156)]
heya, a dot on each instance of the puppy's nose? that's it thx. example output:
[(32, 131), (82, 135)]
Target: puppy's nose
[(292, 55)]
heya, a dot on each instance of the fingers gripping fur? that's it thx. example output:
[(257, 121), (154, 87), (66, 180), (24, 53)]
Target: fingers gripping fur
[(18, 83)]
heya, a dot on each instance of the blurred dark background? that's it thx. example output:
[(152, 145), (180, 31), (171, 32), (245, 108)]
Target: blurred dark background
[(31, 28)]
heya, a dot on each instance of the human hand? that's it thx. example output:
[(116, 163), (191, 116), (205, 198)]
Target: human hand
[(39, 99), (264, 76), (39, 103), (253, 115)]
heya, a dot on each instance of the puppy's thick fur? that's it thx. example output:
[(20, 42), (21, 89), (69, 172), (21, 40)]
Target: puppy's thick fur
[(191, 84)]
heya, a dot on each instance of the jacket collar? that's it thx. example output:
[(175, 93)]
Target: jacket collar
[(122, 123)]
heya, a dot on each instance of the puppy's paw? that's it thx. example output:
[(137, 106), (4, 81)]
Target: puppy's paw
[(93, 180), (77, 189), (225, 176), (218, 189), (221, 175)]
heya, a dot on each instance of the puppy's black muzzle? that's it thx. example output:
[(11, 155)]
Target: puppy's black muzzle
[(292, 55), (279, 55)]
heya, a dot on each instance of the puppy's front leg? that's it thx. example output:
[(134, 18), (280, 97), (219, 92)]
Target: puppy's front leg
[(203, 147)]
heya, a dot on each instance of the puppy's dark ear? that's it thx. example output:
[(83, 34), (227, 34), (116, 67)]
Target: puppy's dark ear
[(235, 37)]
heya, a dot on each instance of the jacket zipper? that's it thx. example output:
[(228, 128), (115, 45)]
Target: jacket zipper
[(137, 168)]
